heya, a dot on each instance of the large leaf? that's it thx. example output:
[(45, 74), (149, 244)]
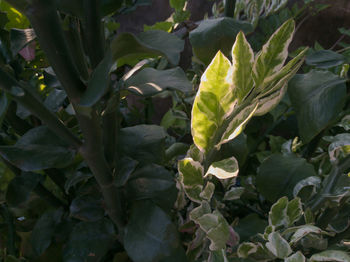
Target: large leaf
[(145, 143), (89, 241), (153, 42), (38, 149), (151, 237), (44, 230), (278, 175), (249, 226), (217, 34), (325, 59), (191, 174), (331, 255), (152, 182), (150, 81), (318, 97), (19, 189), (274, 53)]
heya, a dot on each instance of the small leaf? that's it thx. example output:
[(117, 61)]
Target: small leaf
[(317, 97), (234, 193), (208, 191), (151, 237), (224, 169), (278, 245), (331, 255), (294, 211), (191, 173), (297, 257), (246, 248), (278, 213), (304, 230), (300, 188), (150, 81), (325, 59)]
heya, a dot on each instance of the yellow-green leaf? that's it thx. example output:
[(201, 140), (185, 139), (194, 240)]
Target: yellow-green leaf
[(224, 169)]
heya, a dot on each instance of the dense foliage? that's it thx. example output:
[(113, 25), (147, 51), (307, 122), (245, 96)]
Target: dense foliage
[(249, 160)]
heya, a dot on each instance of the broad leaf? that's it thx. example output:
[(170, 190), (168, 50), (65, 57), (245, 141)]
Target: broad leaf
[(87, 208), (278, 245), (325, 59), (217, 34), (144, 143), (318, 97), (38, 149), (151, 237), (234, 193), (152, 182), (155, 42), (89, 239), (307, 187), (44, 230), (249, 226), (278, 175), (285, 213), (150, 81), (297, 257), (191, 174), (274, 53), (331, 255), (224, 169), (304, 230)]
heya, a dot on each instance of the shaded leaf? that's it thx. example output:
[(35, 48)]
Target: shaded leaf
[(151, 237), (20, 38), (224, 169), (296, 257), (87, 208), (285, 213), (278, 175), (331, 255), (325, 59), (249, 226), (318, 97), (234, 193), (278, 245), (150, 81)]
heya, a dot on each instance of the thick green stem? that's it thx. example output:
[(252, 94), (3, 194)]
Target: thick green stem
[(93, 31), (93, 153), (44, 18), (334, 175), (37, 108)]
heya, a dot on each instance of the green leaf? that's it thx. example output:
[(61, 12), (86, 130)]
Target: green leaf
[(274, 53), (285, 213), (304, 230), (151, 237), (150, 81), (177, 4), (257, 252), (152, 182), (318, 97), (340, 146), (164, 26), (278, 245), (20, 38), (55, 100), (218, 256), (98, 83), (89, 240), (213, 103), (249, 226), (325, 59), (154, 42), (15, 18), (87, 208), (191, 176), (245, 249), (296, 257), (144, 143), (217, 34), (266, 104), (224, 169), (307, 187), (208, 191), (20, 188), (242, 65), (38, 149), (44, 230), (331, 255), (126, 166), (278, 175), (234, 193)]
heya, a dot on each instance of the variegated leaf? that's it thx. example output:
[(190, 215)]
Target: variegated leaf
[(266, 104), (208, 191), (238, 123), (296, 257), (213, 103), (274, 53), (242, 65), (224, 169), (278, 245), (331, 255), (191, 173)]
